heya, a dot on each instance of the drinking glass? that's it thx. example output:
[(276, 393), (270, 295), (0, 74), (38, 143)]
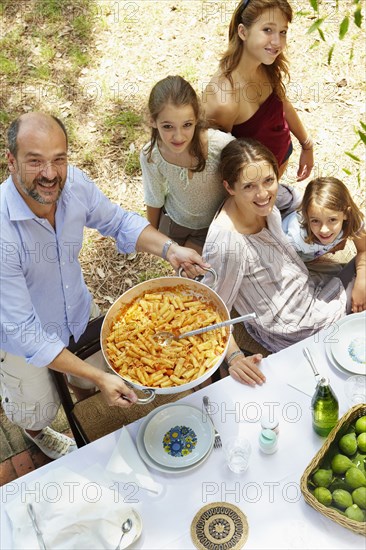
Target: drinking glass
[(355, 390), (237, 452)]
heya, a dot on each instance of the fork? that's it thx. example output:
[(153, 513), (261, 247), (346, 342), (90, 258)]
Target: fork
[(206, 404)]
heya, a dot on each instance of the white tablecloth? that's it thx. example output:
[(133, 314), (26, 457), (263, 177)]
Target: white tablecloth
[(269, 491)]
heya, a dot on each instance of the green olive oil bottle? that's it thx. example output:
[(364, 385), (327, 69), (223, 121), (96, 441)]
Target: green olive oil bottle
[(325, 408)]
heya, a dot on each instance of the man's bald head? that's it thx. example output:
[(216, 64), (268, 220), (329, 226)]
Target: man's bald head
[(32, 120)]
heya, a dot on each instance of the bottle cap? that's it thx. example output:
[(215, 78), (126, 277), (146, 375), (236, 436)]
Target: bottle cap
[(269, 422)]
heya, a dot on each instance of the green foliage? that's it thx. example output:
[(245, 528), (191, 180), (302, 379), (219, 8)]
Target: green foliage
[(320, 24), (343, 28), (314, 4), (352, 15)]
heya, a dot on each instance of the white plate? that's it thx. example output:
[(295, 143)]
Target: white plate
[(130, 537), (351, 333), (178, 436), (150, 462), (332, 361)]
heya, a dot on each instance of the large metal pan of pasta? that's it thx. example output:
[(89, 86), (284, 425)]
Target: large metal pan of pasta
[(173, 304)]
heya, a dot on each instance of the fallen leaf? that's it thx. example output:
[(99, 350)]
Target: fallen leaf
[(342, 83), (131, 256), (100, 272)]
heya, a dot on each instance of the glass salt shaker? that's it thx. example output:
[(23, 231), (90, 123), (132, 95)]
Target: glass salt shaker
[(268, 441)]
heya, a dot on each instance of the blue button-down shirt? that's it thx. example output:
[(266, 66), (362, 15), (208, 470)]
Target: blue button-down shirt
[(44, 299)]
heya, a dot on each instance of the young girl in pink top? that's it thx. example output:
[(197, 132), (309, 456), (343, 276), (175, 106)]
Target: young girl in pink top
[(247, 95)]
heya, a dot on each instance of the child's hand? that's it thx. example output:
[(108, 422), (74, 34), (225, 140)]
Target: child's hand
[(359, 296), (306, 164), (245, 370)]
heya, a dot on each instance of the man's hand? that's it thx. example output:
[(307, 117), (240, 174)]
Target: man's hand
[(115, 391), (245, 370), (187, 259)]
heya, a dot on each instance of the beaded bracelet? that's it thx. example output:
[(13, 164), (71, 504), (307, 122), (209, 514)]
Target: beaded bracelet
[(233, 355), (308, 142)]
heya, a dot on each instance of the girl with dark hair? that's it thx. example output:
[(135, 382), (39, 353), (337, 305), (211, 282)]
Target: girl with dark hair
[(182, 186)]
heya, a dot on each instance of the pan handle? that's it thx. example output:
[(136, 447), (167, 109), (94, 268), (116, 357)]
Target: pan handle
[(151, 394), (150, 397), (199, 277)]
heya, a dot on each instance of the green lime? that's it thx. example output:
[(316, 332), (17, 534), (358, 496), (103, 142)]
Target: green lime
[(341, 463), (342, 499), (323, 478), (359, 497), (360, 425), (361, 442), (355, 478), (323, 495), (359, 461), (348, 444), (355, 513)]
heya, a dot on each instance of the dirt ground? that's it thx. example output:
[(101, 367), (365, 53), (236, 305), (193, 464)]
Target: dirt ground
[(127, 47)]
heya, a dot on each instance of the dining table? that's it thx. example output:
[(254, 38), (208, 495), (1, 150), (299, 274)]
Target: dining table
[(268, 492)]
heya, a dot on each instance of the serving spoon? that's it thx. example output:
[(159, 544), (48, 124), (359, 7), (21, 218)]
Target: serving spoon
[(126, 528), (310, 360), (165, 338)]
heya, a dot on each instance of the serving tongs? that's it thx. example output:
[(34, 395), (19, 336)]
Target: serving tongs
[(165, 338)]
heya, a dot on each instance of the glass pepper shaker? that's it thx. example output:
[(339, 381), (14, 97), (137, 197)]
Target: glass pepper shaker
[(325, 408)]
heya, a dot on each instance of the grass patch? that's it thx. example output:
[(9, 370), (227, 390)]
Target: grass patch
[(161, 270), (7, 66), (132, 165), (49, 9), (79, 57), (42, 72), (4, 117), (124, 127)]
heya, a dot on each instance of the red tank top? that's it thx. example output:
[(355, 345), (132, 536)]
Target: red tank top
[(269, 126)]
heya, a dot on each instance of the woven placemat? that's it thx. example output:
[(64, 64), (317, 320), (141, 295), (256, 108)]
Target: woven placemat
[(219, 525)]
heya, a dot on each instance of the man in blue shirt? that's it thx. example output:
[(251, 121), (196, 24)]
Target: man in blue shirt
[(45, 205)]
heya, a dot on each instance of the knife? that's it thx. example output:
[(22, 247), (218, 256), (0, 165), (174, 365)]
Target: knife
[(32, 515)]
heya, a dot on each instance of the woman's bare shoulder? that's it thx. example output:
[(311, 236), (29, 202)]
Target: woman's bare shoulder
[(220, 102)]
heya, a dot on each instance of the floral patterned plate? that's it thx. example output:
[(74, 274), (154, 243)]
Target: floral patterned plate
[(159, 467), (178, 436)]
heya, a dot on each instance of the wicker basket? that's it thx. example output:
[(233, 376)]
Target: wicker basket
[(339, 429)]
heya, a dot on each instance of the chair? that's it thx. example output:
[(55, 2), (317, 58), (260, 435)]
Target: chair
[(245, 342), (92, 418)]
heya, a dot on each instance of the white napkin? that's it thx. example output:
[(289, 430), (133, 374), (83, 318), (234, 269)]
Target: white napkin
[(126, 465), (71, 512)]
